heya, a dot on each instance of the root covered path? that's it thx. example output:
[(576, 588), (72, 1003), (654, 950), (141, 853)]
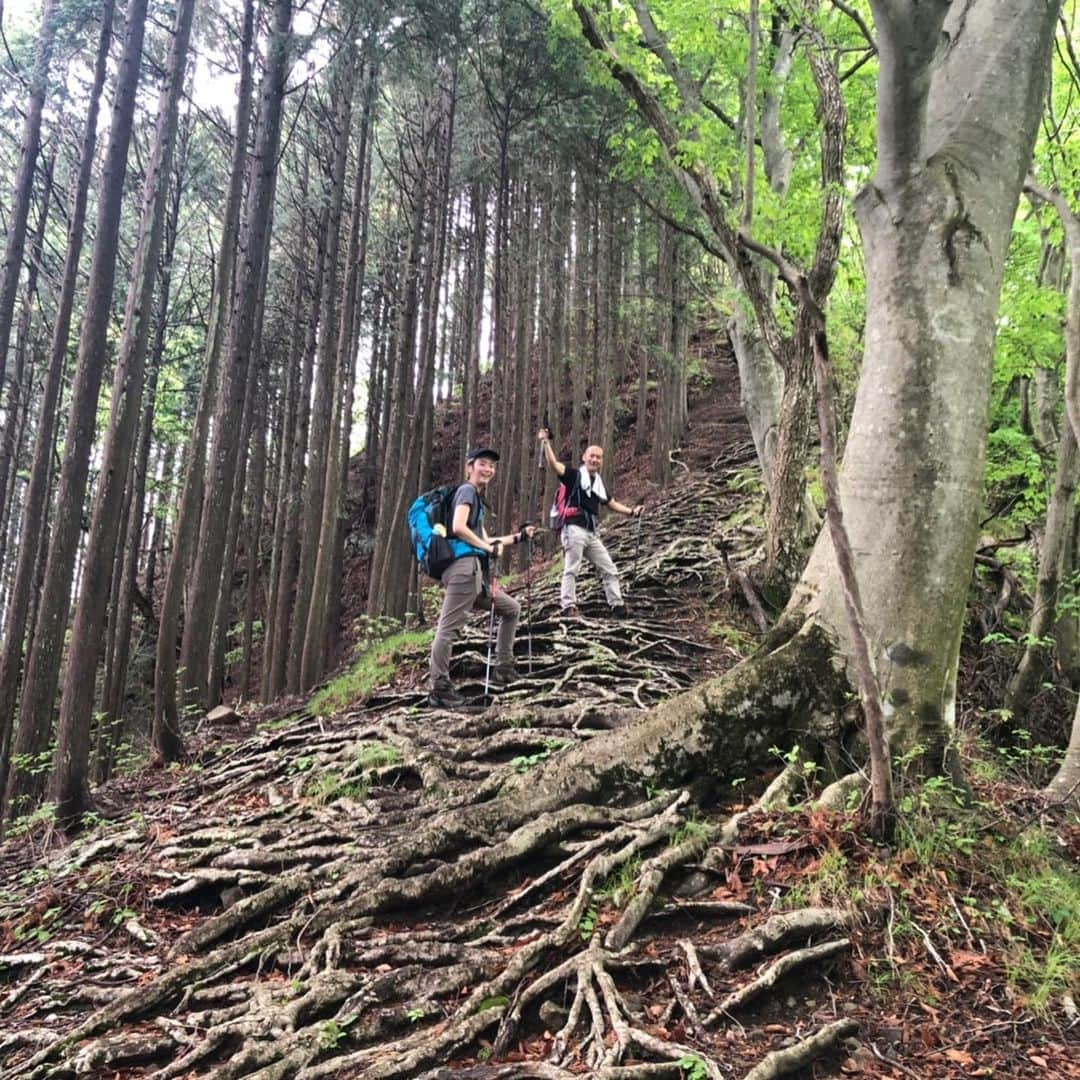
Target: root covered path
[(323, 898)]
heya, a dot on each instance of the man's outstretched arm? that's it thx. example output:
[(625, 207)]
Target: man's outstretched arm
[(545, 438)]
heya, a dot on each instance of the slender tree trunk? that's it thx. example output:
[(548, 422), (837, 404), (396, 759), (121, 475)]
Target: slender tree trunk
[(206, 574), (19, 211), (347, 350), (31, 535), (309, 612), (290, 540), (70, 780), (165, 731), (382, 581), (290, 409), (36, 709), (478, 266), (18, 402), (253, 539)]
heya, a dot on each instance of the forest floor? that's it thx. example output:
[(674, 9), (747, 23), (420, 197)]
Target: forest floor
[(305, 898)]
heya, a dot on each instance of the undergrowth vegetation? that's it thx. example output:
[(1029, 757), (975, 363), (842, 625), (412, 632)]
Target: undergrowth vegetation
[(977, 891), (376, 660)]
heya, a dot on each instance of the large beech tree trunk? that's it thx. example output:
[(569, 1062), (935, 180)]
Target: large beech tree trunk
[(954, 142)]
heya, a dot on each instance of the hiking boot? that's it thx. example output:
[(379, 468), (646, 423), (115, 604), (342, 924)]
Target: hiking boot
[(503, 675), (571, 612), (445, 697), (618, 611)]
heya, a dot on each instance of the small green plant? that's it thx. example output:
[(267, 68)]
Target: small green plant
[(693, 1066), (620, 885), (693, 829), (587, 924), (414, 1014), (524, 762), (376, 755), (331, 1032), (44, 815), (330, 786)]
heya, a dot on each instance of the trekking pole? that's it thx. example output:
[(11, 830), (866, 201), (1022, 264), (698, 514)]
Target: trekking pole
[(637, 543), (492, 563), (528, 592)]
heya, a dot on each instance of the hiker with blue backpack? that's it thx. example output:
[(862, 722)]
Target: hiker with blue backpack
[(464, 578), (575, 515)]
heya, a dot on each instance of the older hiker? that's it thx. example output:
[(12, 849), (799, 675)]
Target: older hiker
[(464, 581), (581, 494)]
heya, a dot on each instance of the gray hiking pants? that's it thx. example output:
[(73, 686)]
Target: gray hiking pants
[(463, 582), (578, 544)]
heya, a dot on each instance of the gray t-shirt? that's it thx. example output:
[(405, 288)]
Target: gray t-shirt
[(467, 495)]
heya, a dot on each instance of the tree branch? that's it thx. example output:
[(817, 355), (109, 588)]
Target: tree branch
[(907, 41), (860, 22)]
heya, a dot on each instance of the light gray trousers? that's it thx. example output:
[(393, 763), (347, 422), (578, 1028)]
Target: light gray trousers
[(579, 544), (462, 583)]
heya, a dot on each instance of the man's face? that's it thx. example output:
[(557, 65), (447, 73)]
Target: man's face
[(481, 471), (593, 459)]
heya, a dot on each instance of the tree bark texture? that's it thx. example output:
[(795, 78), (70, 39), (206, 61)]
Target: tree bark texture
[(43, 666), (70, 780), (165, 731), (206, 574), (954, 144)]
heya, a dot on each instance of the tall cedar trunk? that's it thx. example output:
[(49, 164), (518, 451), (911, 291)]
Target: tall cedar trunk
[(280, 676), (161, 500), (433, 196), (31, 534), (69, 782), (43, 668), (18, 402), (257, 375), (253, 536), (306, 641), (19, 210), (578, 365), (517, 384), (383, 587), (113, 710), (641, 412), (223, 604), (663, 337), (400, 570), (347, 360), (477, 287), (953, 146), (206, 574), (165, 731), (376, 406), (560, 353), (394, 271), (293, 444), (499, 271)]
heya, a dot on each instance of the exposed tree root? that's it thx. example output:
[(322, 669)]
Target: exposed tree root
[(791, 1058)]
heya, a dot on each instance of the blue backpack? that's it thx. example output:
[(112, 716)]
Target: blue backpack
[(429, 522)]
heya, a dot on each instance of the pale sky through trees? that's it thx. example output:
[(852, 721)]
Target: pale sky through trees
[(211, 87)]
